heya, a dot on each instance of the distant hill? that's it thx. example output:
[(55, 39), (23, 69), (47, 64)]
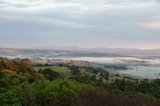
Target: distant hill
[(78, 52), (115, 51)]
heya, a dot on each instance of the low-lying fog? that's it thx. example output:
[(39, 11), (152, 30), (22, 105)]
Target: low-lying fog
[(137, 67)]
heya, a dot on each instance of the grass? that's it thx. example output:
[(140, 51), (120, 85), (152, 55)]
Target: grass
[(62, 70), (67, 72)]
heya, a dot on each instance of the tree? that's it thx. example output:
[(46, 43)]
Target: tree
[(49, 74), (74, 70)]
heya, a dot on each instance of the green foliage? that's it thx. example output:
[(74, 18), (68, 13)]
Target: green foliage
[(74, 70), (55, 90), (104, 97), (11, 80), (19, 87), (9, 97), (1, 66), (10, 88), (103, 73), (28, 95), (91, 80), (147, 87), (49, 74), (123, 85), (116, 67)]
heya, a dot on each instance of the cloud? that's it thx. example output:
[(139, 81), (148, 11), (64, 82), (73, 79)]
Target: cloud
[(153, 24), (47, 21), (81, 22), (75, 5), (4, 5), (150, 25), (3, 2)]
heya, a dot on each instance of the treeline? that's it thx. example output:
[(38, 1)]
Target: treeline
[(45, 87), (103, 73), (115, 67), (16, 90), (147, 87), (75, 70)]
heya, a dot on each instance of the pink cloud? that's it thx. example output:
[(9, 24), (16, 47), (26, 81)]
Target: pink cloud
[(153, 25)]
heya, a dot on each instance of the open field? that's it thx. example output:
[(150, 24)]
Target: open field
[(60, 69)]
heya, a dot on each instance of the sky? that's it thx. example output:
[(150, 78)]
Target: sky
[(80, 23)]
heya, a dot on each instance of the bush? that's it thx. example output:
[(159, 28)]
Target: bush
[(55, 91), (103, 97), (49, 74)]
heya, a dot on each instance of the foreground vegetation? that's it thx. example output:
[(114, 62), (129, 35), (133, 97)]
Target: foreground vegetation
[(21, 84)]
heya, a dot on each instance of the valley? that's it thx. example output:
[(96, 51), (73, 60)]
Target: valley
[(138, 66)]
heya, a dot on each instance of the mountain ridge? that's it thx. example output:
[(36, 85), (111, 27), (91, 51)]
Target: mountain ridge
[(79, 51)]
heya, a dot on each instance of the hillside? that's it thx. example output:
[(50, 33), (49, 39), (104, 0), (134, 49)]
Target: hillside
[(22, 84)]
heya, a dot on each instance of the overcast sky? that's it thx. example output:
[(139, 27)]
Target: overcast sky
[(80, 23)]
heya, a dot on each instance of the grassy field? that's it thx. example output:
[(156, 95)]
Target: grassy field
[(67, 72), (62, 70)]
